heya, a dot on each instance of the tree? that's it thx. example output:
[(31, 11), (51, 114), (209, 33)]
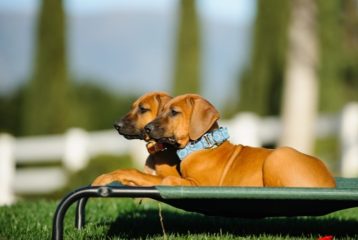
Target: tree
[(330, 35), (45, 103), (10, 112), (187, 69), (320, 39), (261, 83), (350, 49), (300, 99), (95, 107), (338, 39)]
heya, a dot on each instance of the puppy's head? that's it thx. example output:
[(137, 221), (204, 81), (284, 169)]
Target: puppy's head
[(144, 110), (184, 118)]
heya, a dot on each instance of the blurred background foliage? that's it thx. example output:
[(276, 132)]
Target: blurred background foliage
[(64, 102), (50, 102), (338, 35), (46, 100), (261, 83), (187, 67)]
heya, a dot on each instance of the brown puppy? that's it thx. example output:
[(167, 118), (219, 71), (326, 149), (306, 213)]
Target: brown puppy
[(186, 118), (162, 161)]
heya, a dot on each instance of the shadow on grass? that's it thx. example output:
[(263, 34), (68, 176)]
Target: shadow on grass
[(146, 223)]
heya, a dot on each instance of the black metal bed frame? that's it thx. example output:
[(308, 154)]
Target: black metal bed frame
[(248, 202), (82, 195)]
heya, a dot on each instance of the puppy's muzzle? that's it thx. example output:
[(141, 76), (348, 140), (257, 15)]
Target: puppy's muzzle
[(153, 130), (149, 128), (118, 125), (126, 129)]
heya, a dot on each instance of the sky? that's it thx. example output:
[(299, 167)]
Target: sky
[(230, 10), (219, 75)]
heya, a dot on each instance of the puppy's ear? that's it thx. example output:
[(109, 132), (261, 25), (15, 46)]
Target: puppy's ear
[(203, 116), (161, 100)]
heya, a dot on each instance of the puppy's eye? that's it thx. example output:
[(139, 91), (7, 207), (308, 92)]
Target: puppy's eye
[(173, 112), (143, 110)]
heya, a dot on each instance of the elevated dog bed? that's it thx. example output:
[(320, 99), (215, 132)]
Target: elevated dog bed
[(243, 202)]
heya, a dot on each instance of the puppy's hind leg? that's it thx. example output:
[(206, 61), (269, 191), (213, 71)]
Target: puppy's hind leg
[(287, 167)]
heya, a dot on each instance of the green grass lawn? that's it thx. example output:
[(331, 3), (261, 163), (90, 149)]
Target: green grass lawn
[(127, 219)]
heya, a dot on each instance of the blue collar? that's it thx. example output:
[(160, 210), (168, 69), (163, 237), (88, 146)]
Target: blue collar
[(208, 140)]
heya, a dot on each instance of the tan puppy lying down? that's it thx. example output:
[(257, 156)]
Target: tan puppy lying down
[(189, 122)]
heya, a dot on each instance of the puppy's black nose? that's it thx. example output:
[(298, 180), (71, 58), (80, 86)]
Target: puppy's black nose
[(118, 125), (148, 128)]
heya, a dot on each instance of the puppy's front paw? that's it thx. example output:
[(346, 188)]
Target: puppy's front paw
[(102, 180)]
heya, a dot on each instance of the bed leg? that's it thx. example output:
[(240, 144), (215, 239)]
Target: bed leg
[(58, 219), (80, 218), (83, 194)]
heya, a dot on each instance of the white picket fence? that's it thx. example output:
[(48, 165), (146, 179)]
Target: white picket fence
[(77, 146)]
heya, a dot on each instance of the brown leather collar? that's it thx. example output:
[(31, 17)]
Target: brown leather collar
[(154, 147)]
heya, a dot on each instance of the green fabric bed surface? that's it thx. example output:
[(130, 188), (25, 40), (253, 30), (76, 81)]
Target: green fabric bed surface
[(347, 189), (252, 202), (255, 202)]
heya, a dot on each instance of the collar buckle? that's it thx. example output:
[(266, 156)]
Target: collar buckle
[(209, 141)]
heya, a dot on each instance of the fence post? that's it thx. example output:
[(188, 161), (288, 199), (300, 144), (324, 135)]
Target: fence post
[(138, 152), (76, 154), (7, 169), (349, 140), (244, 129)]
